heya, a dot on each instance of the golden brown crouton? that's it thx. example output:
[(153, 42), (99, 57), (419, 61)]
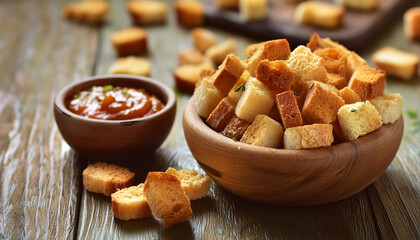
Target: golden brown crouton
[(235, 128), (253, 10), (147, 11), (412, 23), (195, 185), (227, 4), (308, 136), (222, 114), (189, 13), (388, 107), (251, 49), (264, 132), (131, 65), (397, 63), (218, 53), (321, 14), (206, 97), (349, 96), (228, 73), (359, 4), (188, 75), (88, 11), (239, 87), (306, 65), (276, 75), (288, 109), (368, 82), (130, 203), (190, 56), (203, 39), (130, 41)]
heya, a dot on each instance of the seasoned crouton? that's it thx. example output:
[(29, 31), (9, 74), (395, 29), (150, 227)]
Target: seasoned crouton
[(308, 136), (265, 132), (368, 82), (388, 107), (288, 109), (130, 203), (276, 75), (222, 114), (147, 11), (195, 185)]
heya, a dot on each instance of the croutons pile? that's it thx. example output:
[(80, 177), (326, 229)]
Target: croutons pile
[(310, 97)]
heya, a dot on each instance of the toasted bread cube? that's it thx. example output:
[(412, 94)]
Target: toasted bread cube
[(167, 198), (308, 136), (359, 4), (188, 75), (206, 97), (227, 4), (334, 60), (131, 65), (412, 23), (237, 90), (276, 75), (349, 96), (354, 62), (106, 178), (130, 203), (368, 82), (251, 49), (320, 14), (147, 11), (256, 100), (190, 56), (264, 132), (88, 11), (388, 107), (190, 13), (130, 41), (203, 39), (195, 184), (222, 114), (235, 128), (336, 80), (218, 53), (228, 73), (397, 63), (253, 10), (358, 119), (321, 105), (270, 50), (288, 109), (306, 65)]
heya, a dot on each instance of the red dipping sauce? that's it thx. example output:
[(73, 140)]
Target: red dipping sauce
[(119, 103)]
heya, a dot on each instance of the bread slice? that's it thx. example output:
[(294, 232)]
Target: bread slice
[(237, 89), (222, 114), (412, 23), (218, 53), (190, 56), (189, 13), (147, 11), (256, 100), (388, 107), (264, 132), (349, 96), (167, 199), (397, 63), (130, 203), (368, 82), (228, 73), (253, 10), (188, 75), (131, 65), (321, 14), (206, 97), (359, 4), (308, 136), (235, 128), (130, 41), (288, 109), (203, 39), (276, 75), (88, 11), (106, 178), (358, 119), (195, 184)]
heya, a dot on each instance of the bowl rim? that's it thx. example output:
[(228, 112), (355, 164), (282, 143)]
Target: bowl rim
[(63, 93)]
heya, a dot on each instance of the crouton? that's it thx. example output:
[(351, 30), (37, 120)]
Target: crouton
[(188, 75), (222, 114), (227, 4), (190, 56), (368, 82), (218, 53), (228, 73), (206, 97), (306, 65), (203, 39), (288, 109), (251, 49), (320, 14), (264, 132), (336, 80), (88, 11), (253, 10), (354, 61), (308, 136), (195, 185), (239, 87), (397, 63), (388, 107), (412, 23), (276, 75), (147, 11), (130, 41), (235, 128), (189, 13), (359, 4), (131, 65), (334, 60), (349, 96), (130, 203)]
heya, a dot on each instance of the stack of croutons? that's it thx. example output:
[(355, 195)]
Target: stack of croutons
[(311, 97)]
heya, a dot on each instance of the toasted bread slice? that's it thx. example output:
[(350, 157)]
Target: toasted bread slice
[(235, 128), (130, 203), (222, 114), (288, 109), (195, 185), (308, 136)]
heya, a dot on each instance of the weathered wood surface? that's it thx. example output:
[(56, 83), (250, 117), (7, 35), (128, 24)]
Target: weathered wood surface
[(41, 192)]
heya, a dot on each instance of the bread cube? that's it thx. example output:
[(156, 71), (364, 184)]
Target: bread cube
[(106, 178), (276, 75), (288, 109), (130, 41), (256, 100), (388, 107), (358, 119), (190, 13), (359, 4), (412, 23), (88, 11), (130, 203), (264, 132), (132, 65), (227, 4), (190, 56), (203, 39), (195, 185), (147, 11), (253, 10), (306, 65), (321, 105), (218, 53), (354, 62), (235, 128), (222, 114), (368, 82), (334, 60), (187, 76), (336, 80), (397, 63), (237, 89), (321, 14), (349, 96), (308, 136), (206, 97), (251, 49), (228, 73)]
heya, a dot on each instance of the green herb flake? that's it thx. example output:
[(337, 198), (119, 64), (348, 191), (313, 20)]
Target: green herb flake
[(124, 91), (234, 139), (353, 110), (412, 113), (310, 86), (90, 89), (296, 94), (242, 86), (107, 88), (77, 95)]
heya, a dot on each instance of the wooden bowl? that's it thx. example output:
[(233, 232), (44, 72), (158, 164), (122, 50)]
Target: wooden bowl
[(111, 140), (291, 177)]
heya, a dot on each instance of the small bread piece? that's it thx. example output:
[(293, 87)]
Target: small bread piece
[(130, 203), (131, 65), (336, 80), (167, 199), (288, 109), (195, 184), (147, 11), (203, 39), (412, 23), (88, 11), (264, 132), (218, 53), (188, 75), (253, 10), (368, 82), (130, 41), (359, 4), (222, 114), (397, 63), (228, 73), (256, 100), (276, 75), (106, 178), (251, 49), (308, 136), (237, 89), (335, 62), (388, 107), (321, 105), (306, 65), (206, 97), (349, 96), (227, 4), (190, 56), (320, 14), (190, 13), (235, 128), (271, 50)]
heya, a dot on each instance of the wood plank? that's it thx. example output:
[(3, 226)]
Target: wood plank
[(40, 177)]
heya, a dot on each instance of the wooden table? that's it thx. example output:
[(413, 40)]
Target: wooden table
[(42, 196)]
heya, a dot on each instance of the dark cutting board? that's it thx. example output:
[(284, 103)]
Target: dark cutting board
[(358, 29)]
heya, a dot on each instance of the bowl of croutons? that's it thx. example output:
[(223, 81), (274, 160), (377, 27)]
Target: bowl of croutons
[(294, 128)]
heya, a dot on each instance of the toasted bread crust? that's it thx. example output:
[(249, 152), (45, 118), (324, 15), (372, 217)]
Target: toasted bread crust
[(147, 11), (276, 75), (289, 109), (88, 11), (222, 114), (308, 136), (265, 132), (368, 82), (189, 13), (130, 203), (235, 128), (195, 185)]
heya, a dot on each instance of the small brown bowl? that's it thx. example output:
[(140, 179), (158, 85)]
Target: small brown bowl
[(112, 140), (291, 177)]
